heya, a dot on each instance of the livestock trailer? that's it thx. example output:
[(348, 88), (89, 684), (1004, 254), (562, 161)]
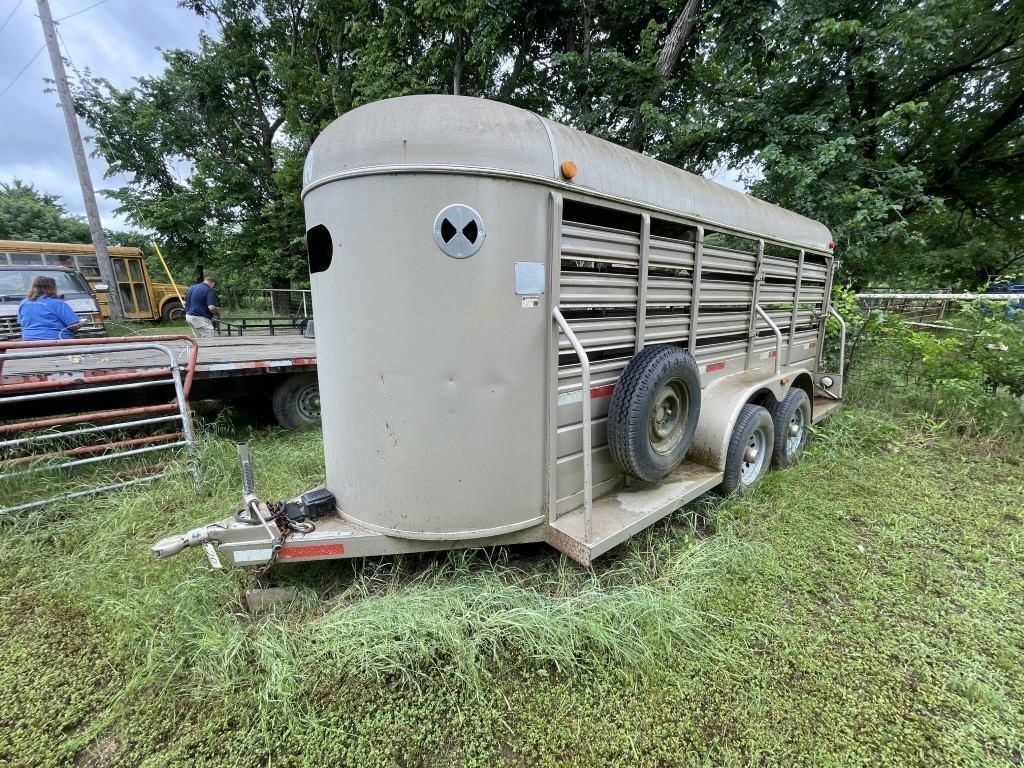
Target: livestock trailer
[(526, 333)]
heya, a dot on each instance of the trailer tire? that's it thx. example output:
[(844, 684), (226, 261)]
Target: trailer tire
[(792, 417), (296, 401), (172, 312), (653, 413), (750, 449)]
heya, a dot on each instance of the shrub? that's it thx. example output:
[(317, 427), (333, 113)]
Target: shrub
[(970, 374)]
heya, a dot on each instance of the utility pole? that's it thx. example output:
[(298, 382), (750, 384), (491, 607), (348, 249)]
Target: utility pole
[(99, 239)]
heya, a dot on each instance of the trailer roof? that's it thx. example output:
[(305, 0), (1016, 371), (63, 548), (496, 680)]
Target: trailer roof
[(76, 249), (445, 133)]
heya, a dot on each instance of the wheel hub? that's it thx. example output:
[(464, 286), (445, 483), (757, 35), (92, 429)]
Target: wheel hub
[(308, 403), (753, 457), (795, 431), (667, 420)]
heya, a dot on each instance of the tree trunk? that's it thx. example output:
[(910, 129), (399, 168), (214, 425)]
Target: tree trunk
[(671, 52), (460, 56)]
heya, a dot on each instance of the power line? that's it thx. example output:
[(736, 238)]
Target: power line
[(11, 15), (87, 8), (23, 69), (67, 51), (43, 48)]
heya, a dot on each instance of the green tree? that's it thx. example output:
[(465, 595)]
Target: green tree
[(212, 172), (900, 125), (28, 214)]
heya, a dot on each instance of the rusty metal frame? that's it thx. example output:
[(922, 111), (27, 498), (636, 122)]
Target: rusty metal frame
[(99, 422), (190, 365)]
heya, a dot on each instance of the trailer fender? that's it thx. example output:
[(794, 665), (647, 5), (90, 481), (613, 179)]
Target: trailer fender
[(723, 399)]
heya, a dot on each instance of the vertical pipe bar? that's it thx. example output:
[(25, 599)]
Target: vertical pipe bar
[(778, 337), (826, 303), (842, 338), (554, 277), (588, 477), (796, 305), (641, 297), (752, 323), (698, 265)]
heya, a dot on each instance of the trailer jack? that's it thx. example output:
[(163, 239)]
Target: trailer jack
[(254, 524)]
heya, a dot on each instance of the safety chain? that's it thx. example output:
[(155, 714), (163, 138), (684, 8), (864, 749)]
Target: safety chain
[(287, 527)]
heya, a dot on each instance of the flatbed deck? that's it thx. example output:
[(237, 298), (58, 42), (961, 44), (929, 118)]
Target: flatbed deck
[(226, 367), (216, 356)]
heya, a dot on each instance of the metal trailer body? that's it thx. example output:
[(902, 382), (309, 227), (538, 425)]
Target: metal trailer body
[(481, 276)]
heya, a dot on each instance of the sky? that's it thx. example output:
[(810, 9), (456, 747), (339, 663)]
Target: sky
[(115, 39)]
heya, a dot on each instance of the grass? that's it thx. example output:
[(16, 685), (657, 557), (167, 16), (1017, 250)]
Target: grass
[(864, 608)]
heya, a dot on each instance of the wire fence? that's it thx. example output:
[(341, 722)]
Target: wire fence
[(955, 360)]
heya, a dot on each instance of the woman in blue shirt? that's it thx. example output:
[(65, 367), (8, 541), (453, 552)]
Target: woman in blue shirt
[(43, 316)]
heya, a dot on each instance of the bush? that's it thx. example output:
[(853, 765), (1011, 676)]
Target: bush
[(970, 374)]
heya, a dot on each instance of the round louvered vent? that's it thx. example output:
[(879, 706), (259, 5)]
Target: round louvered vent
[(459, 231)]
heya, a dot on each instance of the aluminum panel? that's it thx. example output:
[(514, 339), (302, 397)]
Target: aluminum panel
[(602, 374), (773, 293), (570, 437), (601, 333), (570, 471), (444, 346), (778, 267), (813, 271), (587, 242), (597, 290), (665, 328), (724, 293), (728, 261), (490, 138), (677, 254), (668, 291)]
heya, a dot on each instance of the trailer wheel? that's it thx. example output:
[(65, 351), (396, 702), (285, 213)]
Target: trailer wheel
[(750, 449), (791, 417), (296, 401), (653, 413), (172, 312)]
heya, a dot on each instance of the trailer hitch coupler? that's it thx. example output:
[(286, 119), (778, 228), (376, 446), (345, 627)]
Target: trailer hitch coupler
[(174, 544)]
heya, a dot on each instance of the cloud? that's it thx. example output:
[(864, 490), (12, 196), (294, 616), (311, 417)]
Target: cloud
[(118, 40)]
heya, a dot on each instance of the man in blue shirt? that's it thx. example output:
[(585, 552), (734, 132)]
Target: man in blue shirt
[(201, 306), (43, 316)]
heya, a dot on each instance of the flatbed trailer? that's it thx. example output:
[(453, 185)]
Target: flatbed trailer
[(281, 369)]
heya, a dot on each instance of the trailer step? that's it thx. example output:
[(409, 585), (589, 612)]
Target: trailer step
[(625, 512), (823, 406)]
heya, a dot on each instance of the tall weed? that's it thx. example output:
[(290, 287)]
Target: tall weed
[(969, 376)]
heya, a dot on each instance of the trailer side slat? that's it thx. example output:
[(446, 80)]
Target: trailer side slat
[(600, 277)]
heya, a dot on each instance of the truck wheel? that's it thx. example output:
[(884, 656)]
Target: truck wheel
[(750, 449), (653, 413), (172, 312), (791, 417), (297, 401)]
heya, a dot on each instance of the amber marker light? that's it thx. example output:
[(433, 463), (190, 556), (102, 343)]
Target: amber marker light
[(568, 168)]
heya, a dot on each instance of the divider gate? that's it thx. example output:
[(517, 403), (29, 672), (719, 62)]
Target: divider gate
[(625, 280), (83, 430)]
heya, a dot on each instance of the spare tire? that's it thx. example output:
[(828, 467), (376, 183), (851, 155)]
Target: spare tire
[(653, 413)]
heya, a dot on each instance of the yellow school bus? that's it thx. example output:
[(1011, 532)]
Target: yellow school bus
[(141, 297)]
